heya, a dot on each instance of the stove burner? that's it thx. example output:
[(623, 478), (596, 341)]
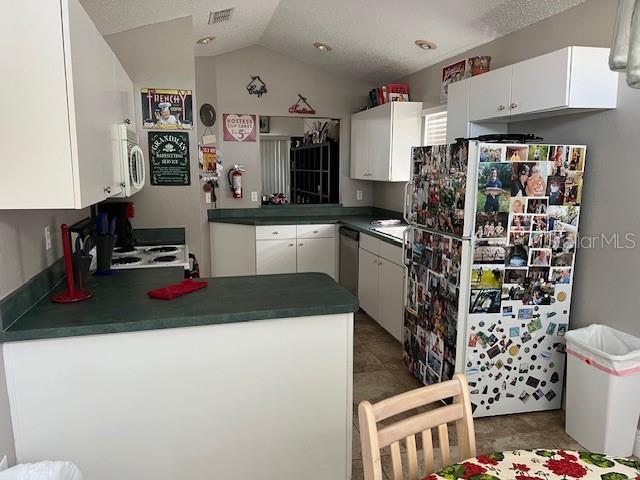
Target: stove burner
[(126, 260), (156, 250), (165, 259), (121, 250)]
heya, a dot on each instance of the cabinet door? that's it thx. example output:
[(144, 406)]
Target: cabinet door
[(406, 133), (368, 282), (490, 94), (391, 297), (94, 112), (33, 67), (379, 135), (317, 255), (458, 110), (275, 256), (541, 83), (359, 147)]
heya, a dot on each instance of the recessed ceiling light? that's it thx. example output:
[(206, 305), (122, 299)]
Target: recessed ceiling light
[(205, 40), (322, 47), (426, 44)]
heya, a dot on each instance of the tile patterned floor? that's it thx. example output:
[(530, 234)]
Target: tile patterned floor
[(378, 373)]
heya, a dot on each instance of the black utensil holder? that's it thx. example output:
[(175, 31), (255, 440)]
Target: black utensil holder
[(104, 251), (81, 264)]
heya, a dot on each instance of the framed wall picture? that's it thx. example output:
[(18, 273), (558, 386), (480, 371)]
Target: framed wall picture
[(166, 109), (239, 127), (264, 124), (169, 158)]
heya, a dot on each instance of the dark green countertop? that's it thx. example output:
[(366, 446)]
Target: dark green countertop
[(120, 304), (351, 218)]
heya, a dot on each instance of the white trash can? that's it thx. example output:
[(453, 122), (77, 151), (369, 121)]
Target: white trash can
[(603, 389)]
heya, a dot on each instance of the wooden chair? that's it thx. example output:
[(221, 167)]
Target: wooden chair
[(373, 439)]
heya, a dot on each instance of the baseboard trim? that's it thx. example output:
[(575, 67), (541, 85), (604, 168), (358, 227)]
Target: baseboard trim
[(636, 446)]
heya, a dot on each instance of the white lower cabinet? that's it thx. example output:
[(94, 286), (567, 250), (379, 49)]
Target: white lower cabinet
[(391, 297), (275, 256), (317, 255), (381, 284), (368, 282), (273, 249)]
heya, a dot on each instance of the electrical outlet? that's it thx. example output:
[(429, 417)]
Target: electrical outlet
[(207, 197), (254, 196), (358, 194), (3, 464), (47, 238)]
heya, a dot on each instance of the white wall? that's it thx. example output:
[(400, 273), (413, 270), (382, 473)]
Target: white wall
[(161, 56), (588, 24), (221, 81)]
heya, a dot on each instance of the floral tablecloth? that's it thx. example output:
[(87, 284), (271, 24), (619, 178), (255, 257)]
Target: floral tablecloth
[(541, 465)]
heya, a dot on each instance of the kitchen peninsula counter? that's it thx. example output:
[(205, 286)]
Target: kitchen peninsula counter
[(120, 304), (126, 386)]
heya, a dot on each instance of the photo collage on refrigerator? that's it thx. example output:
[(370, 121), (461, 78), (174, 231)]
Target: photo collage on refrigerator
[(434, 261), (524, 245)]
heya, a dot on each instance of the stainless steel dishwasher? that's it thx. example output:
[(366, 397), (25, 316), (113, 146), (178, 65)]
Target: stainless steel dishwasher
[(349, 244)]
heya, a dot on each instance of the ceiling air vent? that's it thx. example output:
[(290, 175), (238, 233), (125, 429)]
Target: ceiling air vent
[(220, 16)]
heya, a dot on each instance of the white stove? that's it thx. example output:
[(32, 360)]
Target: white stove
[(152, 256)]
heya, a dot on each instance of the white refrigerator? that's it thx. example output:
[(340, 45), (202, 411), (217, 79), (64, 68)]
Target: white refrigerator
[(490, 254)]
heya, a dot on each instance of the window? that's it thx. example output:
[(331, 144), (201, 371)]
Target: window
[(434, 126)]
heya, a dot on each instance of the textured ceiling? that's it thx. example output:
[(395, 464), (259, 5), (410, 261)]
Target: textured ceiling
[(372, 40)]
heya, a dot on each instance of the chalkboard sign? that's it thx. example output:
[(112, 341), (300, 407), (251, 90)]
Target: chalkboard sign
[(169, 158)]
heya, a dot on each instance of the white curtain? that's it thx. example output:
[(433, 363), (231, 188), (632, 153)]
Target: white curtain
[(274, 158)]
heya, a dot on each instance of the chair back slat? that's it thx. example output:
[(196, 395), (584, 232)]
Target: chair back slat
[(427, 451), (396, 461), (373, 439), (415, 398), (412, 457), (418, 423), (443, 440)]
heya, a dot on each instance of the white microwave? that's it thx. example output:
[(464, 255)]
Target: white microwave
[(132, 161)]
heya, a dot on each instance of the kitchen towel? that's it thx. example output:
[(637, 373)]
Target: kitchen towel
[(177, 290)]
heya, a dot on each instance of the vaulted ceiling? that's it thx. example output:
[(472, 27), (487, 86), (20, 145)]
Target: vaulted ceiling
[(371, 40)]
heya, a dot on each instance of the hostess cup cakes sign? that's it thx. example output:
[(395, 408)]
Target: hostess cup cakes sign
[(239, 127), (167, 109)]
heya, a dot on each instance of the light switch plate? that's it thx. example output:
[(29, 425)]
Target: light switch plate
[(47, 238), (254, 196), (358, 194), (3, 464), (207, 197)]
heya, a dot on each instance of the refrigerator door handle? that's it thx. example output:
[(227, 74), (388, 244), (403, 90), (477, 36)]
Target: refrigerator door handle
[(406, 200)]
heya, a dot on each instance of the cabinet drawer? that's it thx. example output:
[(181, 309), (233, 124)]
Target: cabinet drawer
[(327, 230), (369, 243), (273, 232), (390, 252)]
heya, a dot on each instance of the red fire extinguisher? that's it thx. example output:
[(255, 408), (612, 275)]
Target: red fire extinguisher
[(235, 180)]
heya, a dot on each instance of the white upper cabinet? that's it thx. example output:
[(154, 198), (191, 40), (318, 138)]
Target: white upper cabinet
[(68, 92), (381, 141), (489, 94), (565, 81)]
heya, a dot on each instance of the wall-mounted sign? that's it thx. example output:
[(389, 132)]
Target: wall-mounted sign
[(256, 86), (239, 127), (167, 109), (169, 158), (451, 74), (302, 107)]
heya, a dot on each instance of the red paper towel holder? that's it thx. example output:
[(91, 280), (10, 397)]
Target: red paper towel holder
[(71, 295)]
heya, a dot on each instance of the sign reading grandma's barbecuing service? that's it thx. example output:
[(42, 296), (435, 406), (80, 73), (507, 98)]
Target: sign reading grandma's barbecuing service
[(167, 109), (169, 158)]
